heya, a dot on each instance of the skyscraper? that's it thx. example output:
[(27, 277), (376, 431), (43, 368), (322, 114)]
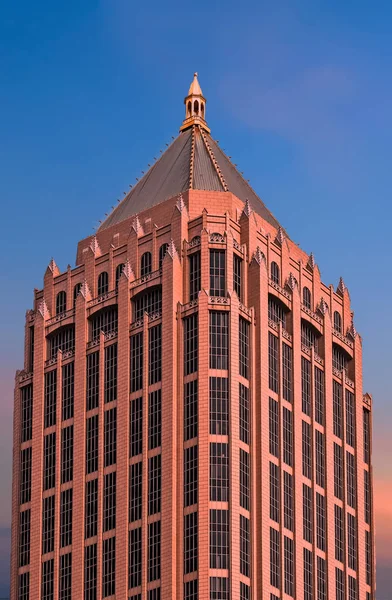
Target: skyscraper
[(190, 421)]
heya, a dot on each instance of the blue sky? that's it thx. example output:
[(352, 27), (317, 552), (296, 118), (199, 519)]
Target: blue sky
[(299, 94)]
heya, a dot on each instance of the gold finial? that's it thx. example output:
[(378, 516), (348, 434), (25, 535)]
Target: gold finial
[(195, 107)]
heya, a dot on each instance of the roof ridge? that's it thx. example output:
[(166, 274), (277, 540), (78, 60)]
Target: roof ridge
[(192, 159), (214, 162)]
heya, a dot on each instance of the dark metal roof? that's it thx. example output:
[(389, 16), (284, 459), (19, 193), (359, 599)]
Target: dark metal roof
[(193, 161)]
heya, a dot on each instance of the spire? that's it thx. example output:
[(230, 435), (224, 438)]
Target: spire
[(195, 107)]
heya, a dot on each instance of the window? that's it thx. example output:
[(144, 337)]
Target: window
[(275, 273), (135, 557), (273, 362), (309, 336), (26, 397), (154, 551), (319, 396), (366, 436), (66, 500), (109, 501), (289, 566), (274, 492), (190, 590), (190, 543), (63, 339), (244, 414), (339, 358), (308, 575), (65, 588), (154, 594), (25, 475), (244, 546), (219, 472), (244, 591), (190, 344), (119, 271), (67, 391), (306, 451), (287, 436), (136, 427), (190, 476), (110, 382), (367, 495), (24, 586), (31, 349), (321, 579), (339, 534), (61, 303), (338, 470), (244, 348), (109, 567), (110, 435), (217, 273), (219, 406), (339, 575), (237, 268), (368, 557), (287, 360), (307, 298), (49, 461), (337, 409), (219, 539), (154, 484), (50, 394), (190, 410), (337, 322), (350, 419), (90, 572), (276, 311), (91, 513), (103, 283), (154, 354), (149, 301), (320, 458), (288, 501), (273, 427), (154, 419), (307, 513), (92, 444), (194, 276), (47, 582), (76, 292), (352, 588), (351, 480), (320, 521), (106, 321), (219, 334), (24, 537), (67, 441), (136, 362), (352, 541), (145, 264), (274, 558), (219, 588), (244, 479), (92, 380), (135, 492), (306, 385), (162, 253)]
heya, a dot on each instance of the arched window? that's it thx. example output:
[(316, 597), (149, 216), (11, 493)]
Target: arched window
[(119, 271), (61, 303), (145, 264), (76, 291), (202, 109), (196, 107), (103, 283), (275, 274), (307, 298), (162, 254), (337, 321), (189, 108)]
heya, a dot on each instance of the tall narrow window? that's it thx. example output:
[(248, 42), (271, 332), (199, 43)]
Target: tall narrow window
[(337, 322), (190, 410), (273, 362), (24, 537), (219, 539), (321, 579), (190, 543), (339, 358), (92, 380), (63, 339), (287, 436), (337, 409), (308, 575), (307, 513), (47, 580), (275, 273), (136, 362), (104, 321), (25, 475), (162, 253), (319, 399), (367, 494), (145, 264), (135, 492), (219, 340), (67, 391), (309, 336), (154, 419), (274, 558), (219, 588), (61, 303), (244, 479), (352, 588), (190, 344), (24, 586), (306, 385), (287, 360), (154, 354), (274, 492), (49, 461), (307, 298), (90, 572), (110, 437), (154, 484), (103, 283), (91, 513), (366, 436), (244, 591), (26, 397), (352, 541), (289, 566), (219, 406), (244, 347), (219, 472), (67, 453), (194, 276), (276, 311), (338, 470), (320, 458), (244, 546), (119, 271), (149, 302), (368, 557), (217, 273), (190, 590), (350, 419), (190, 476), (351, 480), (320, 521), (50, 394), (288, 501), (339, 533), (306, 451), (109, 567), (274, 427), (110, 383), (154, 551), (135, 558), (65, 576), (237, 269), (244, 414), (92, 444), (136, 427), (109, 501), (340, 581), (31, 349), (66, 500)]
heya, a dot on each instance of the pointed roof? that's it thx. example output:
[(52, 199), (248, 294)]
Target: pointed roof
[(193, 161)]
